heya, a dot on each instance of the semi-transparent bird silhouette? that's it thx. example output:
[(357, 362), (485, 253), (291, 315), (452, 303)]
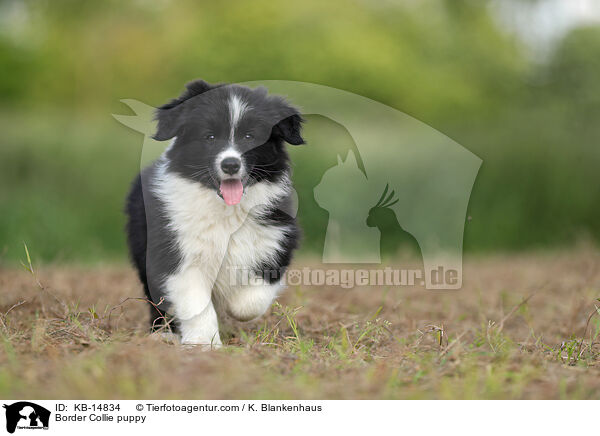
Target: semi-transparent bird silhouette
[(394, 239)]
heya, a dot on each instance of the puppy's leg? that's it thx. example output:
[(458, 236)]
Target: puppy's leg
[(189, 292), (202, 329), (247, 302)]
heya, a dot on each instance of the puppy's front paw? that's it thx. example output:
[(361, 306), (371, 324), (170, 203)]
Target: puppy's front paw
[(202, 344), (201, 330)]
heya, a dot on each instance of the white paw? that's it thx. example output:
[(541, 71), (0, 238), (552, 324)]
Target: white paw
[(252, 302), (202, 343), (244, 314)]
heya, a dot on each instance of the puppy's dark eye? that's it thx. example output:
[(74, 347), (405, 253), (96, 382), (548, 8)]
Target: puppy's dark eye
[(210, 137), (248, 136)]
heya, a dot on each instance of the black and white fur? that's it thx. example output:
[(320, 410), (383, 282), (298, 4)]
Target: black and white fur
[(184, 239)]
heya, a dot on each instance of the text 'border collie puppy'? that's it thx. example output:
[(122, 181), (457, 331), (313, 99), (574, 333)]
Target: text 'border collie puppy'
[(214, 207)]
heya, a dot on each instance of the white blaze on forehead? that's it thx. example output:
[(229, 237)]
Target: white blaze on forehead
[(237, 108)]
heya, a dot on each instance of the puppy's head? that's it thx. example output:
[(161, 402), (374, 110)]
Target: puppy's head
[(228, 137)]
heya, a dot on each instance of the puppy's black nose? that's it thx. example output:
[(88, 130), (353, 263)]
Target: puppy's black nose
[(231, 165)]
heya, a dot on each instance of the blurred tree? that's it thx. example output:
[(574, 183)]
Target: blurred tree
[(65, 65)]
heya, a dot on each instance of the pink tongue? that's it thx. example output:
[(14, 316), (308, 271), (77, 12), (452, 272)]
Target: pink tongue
[(232, 191)]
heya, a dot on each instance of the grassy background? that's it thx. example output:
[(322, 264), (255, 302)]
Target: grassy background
[(65, 164)]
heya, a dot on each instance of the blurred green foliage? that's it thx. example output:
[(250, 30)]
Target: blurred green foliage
[(65, 164)]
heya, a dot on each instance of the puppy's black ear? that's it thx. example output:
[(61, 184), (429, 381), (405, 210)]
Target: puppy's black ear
[(289, 129), (170, 121), (170, 115)]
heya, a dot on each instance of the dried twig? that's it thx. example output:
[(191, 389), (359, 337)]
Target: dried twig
[(453, 343), (513, 310), (5, 314), (167, 322), (587, 324)]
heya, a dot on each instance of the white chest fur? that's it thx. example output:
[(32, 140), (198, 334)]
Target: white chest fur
[(213, 236)]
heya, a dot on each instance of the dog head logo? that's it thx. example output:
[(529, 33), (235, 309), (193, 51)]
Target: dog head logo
[(403, 184), (26, 415)]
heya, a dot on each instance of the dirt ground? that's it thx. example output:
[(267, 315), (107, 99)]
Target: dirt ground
[(523, 326)]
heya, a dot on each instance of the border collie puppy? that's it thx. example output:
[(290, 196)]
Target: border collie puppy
[(209, 223)]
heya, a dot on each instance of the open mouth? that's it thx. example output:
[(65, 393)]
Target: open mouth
[(231, 190)]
